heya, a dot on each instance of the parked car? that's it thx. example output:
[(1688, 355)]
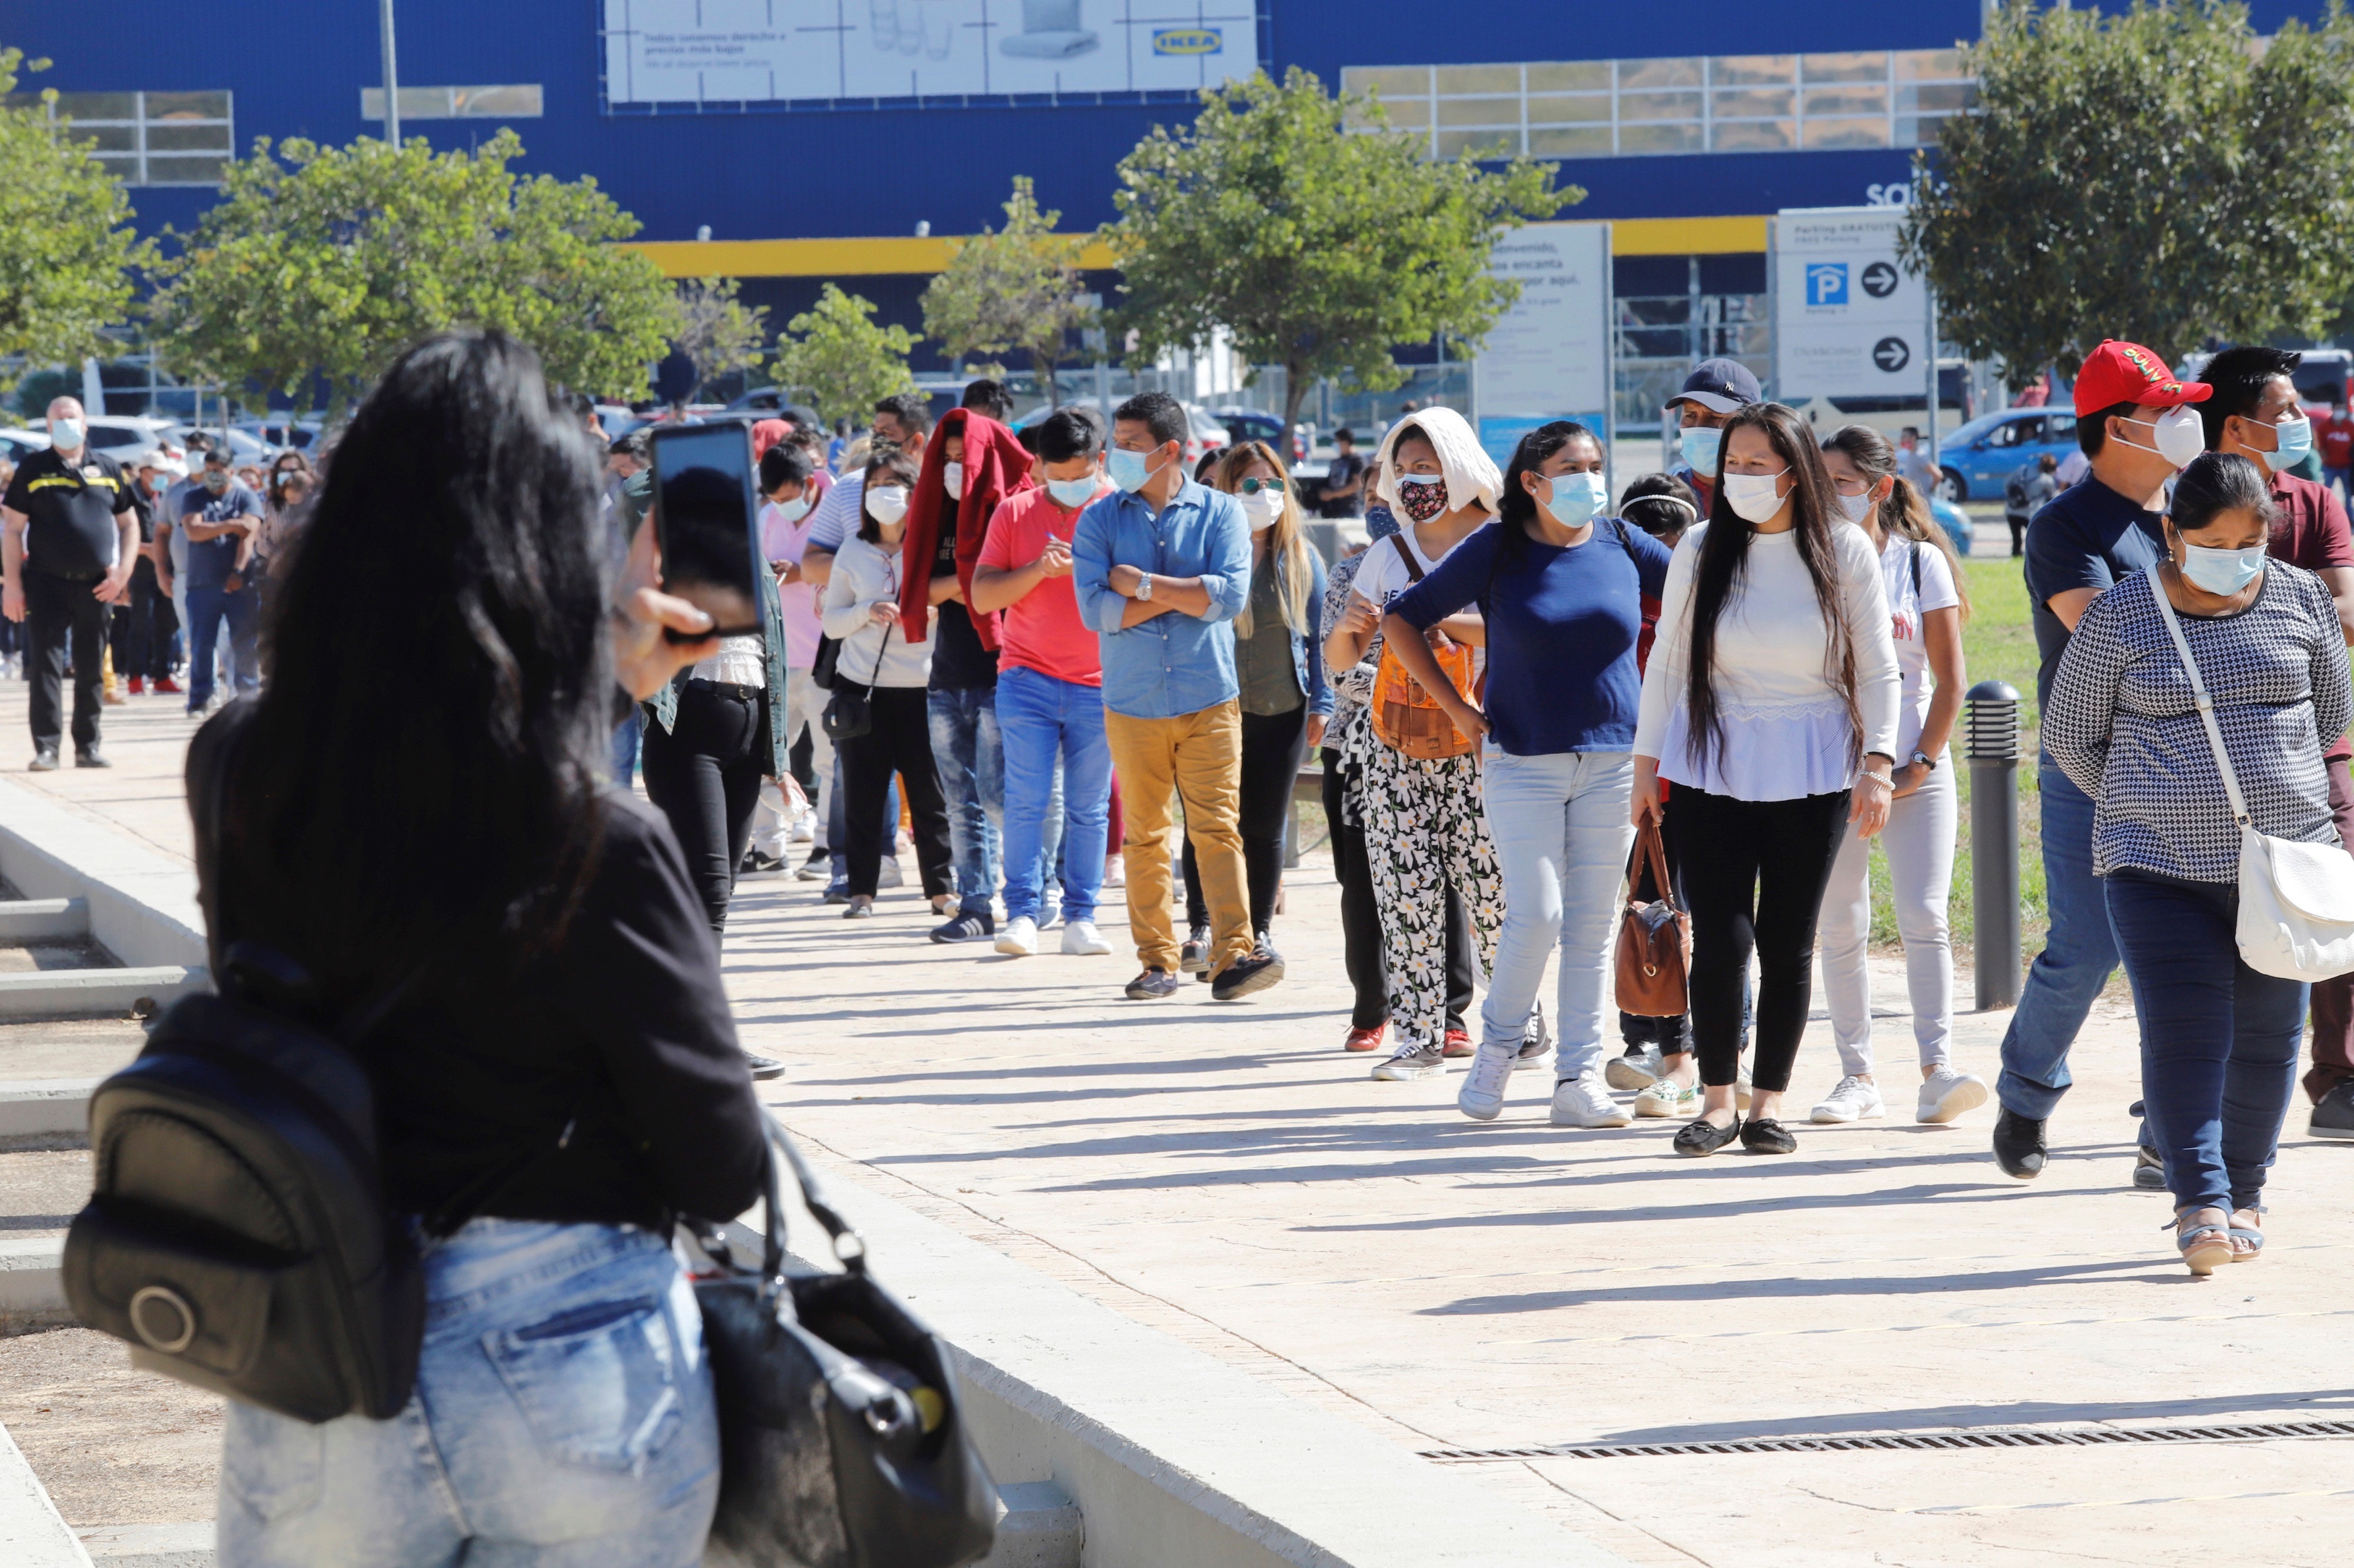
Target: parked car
[(1258, 425), (1978, 457), (17, 443), (279, 434), (1955, 522), (127, 438), (1204, 431)]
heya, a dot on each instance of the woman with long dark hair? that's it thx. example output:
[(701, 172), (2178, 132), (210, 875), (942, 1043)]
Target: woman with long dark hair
[(415, 811), (1770, 702)]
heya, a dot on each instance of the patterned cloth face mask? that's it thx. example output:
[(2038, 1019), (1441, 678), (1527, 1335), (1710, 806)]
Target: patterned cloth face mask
[(1422, 496)]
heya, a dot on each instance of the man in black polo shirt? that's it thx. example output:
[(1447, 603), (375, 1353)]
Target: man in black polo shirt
[(68, 538)]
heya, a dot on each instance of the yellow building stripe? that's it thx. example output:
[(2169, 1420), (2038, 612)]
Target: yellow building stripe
[(909, 254)]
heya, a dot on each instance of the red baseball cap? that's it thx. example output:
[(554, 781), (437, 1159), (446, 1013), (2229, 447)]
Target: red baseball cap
[(2127, 373)]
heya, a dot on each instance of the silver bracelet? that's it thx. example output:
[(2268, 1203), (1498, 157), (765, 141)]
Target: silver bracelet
[(1869, 776)]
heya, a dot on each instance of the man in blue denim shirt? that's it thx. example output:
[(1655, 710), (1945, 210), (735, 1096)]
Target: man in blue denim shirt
[(1161, 569)]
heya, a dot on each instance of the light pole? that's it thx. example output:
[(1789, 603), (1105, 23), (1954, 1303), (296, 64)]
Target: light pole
[(391, 75)]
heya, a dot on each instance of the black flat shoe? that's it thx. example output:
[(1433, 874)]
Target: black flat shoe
[(1763, 1135), (1702, 1136), (2019, 1146)]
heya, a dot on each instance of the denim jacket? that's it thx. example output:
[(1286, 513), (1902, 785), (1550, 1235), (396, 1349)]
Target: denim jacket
[(1308, 648), (1175, 664), (663, 705)]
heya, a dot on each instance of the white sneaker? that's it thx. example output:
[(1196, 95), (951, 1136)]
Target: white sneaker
[(1635, 1070), (1583, 1102), (1413, 1061), (1482, 1095), (1667, 1097), (1018, 940), (1946, 1094), (1538, 1038), (1115, 872), (1741, 1089), (1853, 1100), (889, 875), (1081, 939)]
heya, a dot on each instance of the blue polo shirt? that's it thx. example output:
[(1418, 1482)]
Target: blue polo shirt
[(1174, 663), (2087, 537)]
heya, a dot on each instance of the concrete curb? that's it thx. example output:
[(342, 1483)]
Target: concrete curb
[(149, 1545), (31, 1533), (44, 1109), (44, 920), (141, 906), (32, 1276), (88, 993)]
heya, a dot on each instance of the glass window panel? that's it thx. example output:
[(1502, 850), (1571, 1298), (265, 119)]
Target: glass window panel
[(517, 102), (1414, 114), (1658, 73), (1662, 309), (1570, 109), (1929, 65), (1480, 111), (1753, 103), (187, 139), (185, 171), (1478, 143), (107, 138), (1739, 71), (1755, 135), (1658, 106), (1390, 81), (1945, 97), (1570, 141), (1846, 132), (1921, 132), (1655, 343), (1863, 66), (1478, 78), (1571, 76), (1824, 101), (107, 105), (1659, 138), (187, 106), (124, 166)]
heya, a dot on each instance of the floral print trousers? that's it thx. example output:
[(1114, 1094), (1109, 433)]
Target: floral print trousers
[(1425, 827)]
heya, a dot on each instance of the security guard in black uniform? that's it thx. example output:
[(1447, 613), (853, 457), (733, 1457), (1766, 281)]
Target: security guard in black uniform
[(69, 539)]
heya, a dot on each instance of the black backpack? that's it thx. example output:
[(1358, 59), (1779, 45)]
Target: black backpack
[(237, 1235)]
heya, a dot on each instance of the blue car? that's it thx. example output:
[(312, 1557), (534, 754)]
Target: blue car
[(1979, 456), (1955, 522)]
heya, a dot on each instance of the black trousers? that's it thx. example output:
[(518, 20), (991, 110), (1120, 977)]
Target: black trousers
[(1273, 745), (1753, 871), (900, 742), (141, 632), (57, 610), (705, 773), (1360, 919)]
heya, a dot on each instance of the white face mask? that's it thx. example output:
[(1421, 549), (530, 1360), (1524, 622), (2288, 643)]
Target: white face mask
[(1574, 500), (952, 475), (887, 504), (1857, 507), (66, 435), (1262, 507), (1752, 496), (2178, 435), (796, 509)]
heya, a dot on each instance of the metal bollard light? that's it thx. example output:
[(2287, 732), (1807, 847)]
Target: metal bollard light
[(1990, 740)]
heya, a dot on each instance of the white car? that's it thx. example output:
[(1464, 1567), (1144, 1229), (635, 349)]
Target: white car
[(17, 443), (125, 438)]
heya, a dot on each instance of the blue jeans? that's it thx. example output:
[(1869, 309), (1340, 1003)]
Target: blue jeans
[(2219, 1040), (563, 1417), (208, 607), (625, 747), (1560, 827), (1044, 719), (2079, 954), (971, 760)]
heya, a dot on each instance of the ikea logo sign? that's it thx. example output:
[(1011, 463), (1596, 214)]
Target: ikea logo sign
[(1188, 41)]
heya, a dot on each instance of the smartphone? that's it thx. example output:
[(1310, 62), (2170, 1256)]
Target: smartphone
[(707, 523)]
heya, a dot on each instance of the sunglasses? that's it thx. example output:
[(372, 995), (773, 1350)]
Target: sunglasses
[(1253, 486)]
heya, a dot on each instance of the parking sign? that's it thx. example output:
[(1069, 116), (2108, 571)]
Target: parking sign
[(1826, 282)]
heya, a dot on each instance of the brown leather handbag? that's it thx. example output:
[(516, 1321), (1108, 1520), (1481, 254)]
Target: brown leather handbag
[(1654, 939)]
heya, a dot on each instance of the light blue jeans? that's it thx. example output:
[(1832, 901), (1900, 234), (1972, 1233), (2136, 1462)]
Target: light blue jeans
[(2080, 953), (1560, 827), (971, 757), (563, 1418), (1048, 722)]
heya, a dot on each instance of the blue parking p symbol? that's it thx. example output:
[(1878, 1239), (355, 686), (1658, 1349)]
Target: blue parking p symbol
[(1826, 282)]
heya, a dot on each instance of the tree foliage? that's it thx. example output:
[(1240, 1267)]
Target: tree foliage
[(716, 330), (67, 250), (837, 356), (333, 260), (1313, 237), (2159, 175), (1012, 291)]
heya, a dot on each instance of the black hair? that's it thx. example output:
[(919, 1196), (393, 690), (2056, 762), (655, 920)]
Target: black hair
[(1660, 504), (893, 463), (912, 409), (424, 771), (1028, 436), (1157, 412), (1905, 514), (579, 405), (1065, 434), (1345, 434), (993, 399), (1209, 460), (1517, 507), (633, 445), (2217, 483), (2046, 463), (2240, 376), (221, 456), (1724, 562), (2093, 428), (784, 463)]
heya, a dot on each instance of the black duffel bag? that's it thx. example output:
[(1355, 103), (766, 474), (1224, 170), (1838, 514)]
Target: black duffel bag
[(842, 1441)]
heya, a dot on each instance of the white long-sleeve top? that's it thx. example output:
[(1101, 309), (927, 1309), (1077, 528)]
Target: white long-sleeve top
[(1785, 726), (865, 575)]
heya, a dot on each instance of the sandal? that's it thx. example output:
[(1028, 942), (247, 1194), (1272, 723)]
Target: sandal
[(2204, 1246), (2247, 1242)]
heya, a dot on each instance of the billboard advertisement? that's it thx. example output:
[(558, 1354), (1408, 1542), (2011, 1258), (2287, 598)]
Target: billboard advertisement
[(823, 51), (1549, 357), (1849, 320)]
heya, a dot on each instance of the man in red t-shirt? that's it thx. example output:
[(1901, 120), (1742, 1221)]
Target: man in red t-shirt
[(1049, 686), (2333, 439), (2254, 413)]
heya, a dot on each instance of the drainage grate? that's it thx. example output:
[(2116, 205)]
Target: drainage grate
[(1998, 1437)]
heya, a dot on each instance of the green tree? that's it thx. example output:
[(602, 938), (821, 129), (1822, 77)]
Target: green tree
[(67, 250), (2159, 175), (716, 330), (1314, 236), (1012, 291), (840, 359), (333, 260)]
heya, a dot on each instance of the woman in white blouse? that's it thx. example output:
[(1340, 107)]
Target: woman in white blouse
[(1771, 704)]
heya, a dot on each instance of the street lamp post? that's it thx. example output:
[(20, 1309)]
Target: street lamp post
[(391, 75)]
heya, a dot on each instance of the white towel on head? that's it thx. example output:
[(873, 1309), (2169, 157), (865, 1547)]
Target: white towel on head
[(1471, 473)]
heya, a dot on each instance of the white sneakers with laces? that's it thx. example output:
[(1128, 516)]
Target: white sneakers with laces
[(1482, 1095), (1584, 1102), (1413, 1060), (1855, 1099), (1018, 940), (1081, 939), (1946, 1093), (1667, 1097)]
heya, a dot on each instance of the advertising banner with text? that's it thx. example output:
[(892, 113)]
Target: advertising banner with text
[(1849, 320)]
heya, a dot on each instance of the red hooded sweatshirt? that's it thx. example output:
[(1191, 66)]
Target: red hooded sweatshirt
[(996, 465)]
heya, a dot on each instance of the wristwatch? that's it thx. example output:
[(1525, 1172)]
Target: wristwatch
[(1928, 763), (1143, 586)]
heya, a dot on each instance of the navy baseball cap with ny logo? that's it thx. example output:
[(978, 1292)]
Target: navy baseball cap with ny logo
[(1719, 386)]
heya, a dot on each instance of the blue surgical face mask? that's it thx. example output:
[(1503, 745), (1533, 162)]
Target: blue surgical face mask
[(66, 435), (1575, 499), (2221, 572), (1073, 492), (1127, 470), (1700, 442), (2293, 443)]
